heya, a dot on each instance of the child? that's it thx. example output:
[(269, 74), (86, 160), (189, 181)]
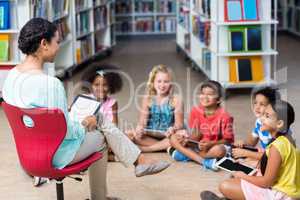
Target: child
[(211, 127), (103, 81), (262, 97), (279, 166), (161, 113)]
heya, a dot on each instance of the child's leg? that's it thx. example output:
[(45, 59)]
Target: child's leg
[(217, 151), (176, 141), (231, 189), (159, 145)]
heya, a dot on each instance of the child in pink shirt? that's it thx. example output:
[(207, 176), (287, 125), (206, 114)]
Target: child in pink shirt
[(210, 128)]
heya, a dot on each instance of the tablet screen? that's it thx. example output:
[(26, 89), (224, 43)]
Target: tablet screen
[(82, 107), (232, 166)]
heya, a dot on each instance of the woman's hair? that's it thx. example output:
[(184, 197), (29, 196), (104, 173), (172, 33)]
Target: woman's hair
[(111, 73), (286, 113), (150, 84), (270, 92), (216, 86), (33, 32)]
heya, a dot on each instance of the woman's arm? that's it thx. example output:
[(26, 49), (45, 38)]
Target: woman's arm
[(115, 113), (272, 170)]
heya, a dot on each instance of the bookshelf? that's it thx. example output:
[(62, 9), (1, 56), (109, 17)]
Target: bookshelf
[(145, 17), (289, 16), (86, 28), (9, 30), (94, 22), (238, 48)]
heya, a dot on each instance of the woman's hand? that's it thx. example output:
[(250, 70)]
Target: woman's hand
[(239, 153), (90, 123)]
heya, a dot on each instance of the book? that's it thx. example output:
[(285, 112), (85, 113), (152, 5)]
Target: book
[(4, 15), (244, 69), (237, 41), (233, 10), (4, 47), (250, 10), (254, 39)]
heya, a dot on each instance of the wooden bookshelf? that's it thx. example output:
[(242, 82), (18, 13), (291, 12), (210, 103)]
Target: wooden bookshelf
[(145, 17), (208, 36)]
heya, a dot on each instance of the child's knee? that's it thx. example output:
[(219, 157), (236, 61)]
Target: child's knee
[(176, 140), (224, 186), (220, 150)]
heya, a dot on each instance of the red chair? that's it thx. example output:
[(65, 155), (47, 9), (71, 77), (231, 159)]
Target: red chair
[(37, 145)]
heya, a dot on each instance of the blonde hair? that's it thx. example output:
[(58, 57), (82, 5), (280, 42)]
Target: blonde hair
[(150, 84)]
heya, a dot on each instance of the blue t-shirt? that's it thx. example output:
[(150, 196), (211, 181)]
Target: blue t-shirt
[(264, 136), (32, 90)]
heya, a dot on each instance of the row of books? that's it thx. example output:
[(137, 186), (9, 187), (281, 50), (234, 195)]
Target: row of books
[(101, 17), (40, 8), (202, 7), (100, 2), (82, 23), (184, 18), (166, 6), (63, 28), (144, 6), (60, 7), (84, 49), (201, 30), (4, 15), (124, 26), (162, 6), (123, 7), (80, 4), (164, 24)]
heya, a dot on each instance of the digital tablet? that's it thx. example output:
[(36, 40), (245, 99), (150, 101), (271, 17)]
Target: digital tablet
[(155, 133), (228, 164), (193, 144), (83, 106)]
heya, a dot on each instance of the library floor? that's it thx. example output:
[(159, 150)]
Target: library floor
[(181, 181)]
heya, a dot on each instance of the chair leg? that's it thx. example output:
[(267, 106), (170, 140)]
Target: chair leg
[(59, 190)]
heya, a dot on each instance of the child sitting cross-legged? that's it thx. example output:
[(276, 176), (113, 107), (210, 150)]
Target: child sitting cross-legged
[(280, 179), (261, 98), (211, 126)]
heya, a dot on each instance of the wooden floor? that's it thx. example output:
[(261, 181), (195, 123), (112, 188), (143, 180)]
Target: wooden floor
[(181, 181)]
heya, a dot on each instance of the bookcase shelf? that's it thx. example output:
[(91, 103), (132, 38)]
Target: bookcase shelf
[(232, 46), (151, 17), (289, 16)]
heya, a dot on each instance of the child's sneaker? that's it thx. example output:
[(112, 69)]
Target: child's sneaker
[(210, 163), (177, 155)]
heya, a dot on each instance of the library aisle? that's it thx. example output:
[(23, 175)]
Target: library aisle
[(181, 181)]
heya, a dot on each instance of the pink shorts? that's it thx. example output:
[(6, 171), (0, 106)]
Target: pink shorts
[(253, 192)]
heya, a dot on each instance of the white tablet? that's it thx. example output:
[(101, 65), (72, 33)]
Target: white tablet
[(228, 164), (83, 106)]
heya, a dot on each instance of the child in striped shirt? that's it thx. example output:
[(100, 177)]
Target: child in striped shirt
[(261, 98)]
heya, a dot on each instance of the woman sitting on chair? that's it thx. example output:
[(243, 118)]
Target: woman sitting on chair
[(27, 86)]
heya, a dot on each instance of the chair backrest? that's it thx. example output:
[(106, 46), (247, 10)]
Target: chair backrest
[(36, 145)]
